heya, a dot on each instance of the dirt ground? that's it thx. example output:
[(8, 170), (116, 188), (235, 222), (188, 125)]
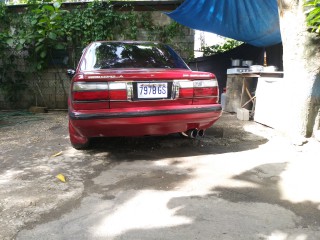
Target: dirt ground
[(242, 180)]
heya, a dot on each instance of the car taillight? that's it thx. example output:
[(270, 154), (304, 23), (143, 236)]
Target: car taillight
[(204, 88), (90, 91), (198, 88), (120, 91), (185, 89)]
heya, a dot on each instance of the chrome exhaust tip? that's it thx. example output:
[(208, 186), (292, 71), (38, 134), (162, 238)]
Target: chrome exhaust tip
[(201, 132), (192, 133)]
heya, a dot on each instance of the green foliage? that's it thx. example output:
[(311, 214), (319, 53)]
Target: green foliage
[(44, 33), (98, 21), (45, 27), (313, 15), (228, 45), (3, 11), (11, 80)]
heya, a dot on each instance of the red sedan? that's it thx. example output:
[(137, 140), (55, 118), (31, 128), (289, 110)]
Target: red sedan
[(138, 89)]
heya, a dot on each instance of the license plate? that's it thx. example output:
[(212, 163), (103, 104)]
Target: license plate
[(152, 90)]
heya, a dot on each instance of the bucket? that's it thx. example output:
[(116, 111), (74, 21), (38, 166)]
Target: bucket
[(235, 62)]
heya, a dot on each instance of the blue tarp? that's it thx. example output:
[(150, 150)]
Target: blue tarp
[(252, 21)]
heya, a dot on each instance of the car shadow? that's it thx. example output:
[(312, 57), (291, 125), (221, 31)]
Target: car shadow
[(220, 138)]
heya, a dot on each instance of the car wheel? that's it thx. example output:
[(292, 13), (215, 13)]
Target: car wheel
[(80, 146)]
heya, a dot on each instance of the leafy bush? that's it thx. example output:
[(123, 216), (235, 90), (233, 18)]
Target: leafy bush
[(44, 27), (228, 45), (313, 15)]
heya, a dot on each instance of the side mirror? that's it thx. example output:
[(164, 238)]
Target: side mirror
[(71, 72)]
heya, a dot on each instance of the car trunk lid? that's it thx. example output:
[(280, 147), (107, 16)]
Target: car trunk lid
[(132, 88)]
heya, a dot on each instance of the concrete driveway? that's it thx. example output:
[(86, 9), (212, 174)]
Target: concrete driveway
[(241, 181)]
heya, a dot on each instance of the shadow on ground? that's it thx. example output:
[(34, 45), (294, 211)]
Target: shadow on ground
[(225, 136), (115, 171), (257, 212)]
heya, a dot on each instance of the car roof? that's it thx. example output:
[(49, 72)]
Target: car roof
[(128, 41)]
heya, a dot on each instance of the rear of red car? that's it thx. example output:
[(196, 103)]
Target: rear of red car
[(138, 89)]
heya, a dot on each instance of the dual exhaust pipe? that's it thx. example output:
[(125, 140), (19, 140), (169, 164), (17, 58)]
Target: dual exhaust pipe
[(193, 133)]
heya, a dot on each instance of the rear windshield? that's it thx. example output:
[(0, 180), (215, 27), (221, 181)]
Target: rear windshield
[(106, 55)]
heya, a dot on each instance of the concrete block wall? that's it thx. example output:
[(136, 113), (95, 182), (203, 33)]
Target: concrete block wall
[(49, 90), (183, 44)]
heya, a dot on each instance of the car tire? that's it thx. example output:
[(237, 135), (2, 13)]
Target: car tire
[(79, 146)]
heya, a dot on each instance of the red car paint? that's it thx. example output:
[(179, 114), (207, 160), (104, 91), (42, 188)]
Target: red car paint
[(106, 103)]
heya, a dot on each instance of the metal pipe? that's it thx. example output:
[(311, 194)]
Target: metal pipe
[(201, 132), (192, 133)]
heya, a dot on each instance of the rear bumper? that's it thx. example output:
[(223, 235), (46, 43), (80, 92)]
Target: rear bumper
[(144, 121), (86, 115)]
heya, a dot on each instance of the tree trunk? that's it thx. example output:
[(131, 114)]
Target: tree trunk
[(301, 61)]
